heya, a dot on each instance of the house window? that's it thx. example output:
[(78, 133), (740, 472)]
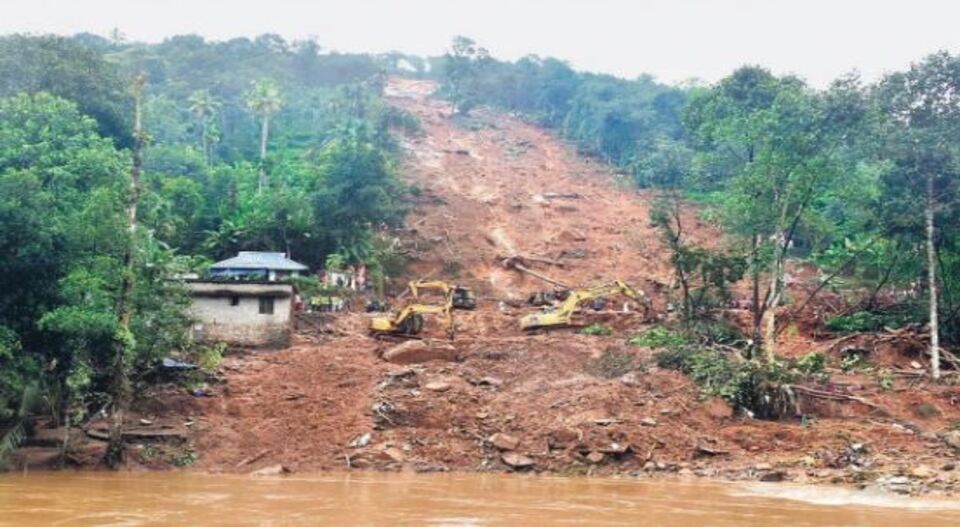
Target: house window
[(266, 305), (234, 300)]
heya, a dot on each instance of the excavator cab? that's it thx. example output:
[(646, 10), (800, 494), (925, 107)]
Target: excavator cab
[(463, 298)]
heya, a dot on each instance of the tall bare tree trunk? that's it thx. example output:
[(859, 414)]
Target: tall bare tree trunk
[(205, 140), (264, 133), (932, 278), (773, 299), (123, 340), (756, 309)]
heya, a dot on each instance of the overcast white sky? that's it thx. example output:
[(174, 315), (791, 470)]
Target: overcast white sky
[(674, 40)]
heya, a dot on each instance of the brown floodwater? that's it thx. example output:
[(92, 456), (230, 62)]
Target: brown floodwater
[(184, 498)]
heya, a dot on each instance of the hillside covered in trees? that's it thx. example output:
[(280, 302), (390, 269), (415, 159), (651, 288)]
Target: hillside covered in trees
[(753, 182)]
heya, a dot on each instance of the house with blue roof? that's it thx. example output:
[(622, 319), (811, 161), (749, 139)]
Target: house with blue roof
[(256, 266)]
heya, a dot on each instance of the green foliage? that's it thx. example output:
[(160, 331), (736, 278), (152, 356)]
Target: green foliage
[(209, 357), (597, 330), (856, 322), (884, 378), (67, 69), (659, 337), (752, 385), (812, 363)]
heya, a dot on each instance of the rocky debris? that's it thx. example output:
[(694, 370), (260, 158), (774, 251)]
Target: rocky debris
[(708, 451), (561, 438), (648, 421), (516, 461), (272, 470), (503, 441), (437, 386), (773, 476), (922, 472), (927, 411), (617, 449), (595, 457), (419, 351), (362, 440), (487, 381), (897, 484), (393, 454), (952, 439)]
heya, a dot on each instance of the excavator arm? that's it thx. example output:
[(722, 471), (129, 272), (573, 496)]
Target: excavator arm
[(563, 314), (462, 297)]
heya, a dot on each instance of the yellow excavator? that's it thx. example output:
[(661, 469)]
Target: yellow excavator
[(409, 321), (562, 316), (461, 297)]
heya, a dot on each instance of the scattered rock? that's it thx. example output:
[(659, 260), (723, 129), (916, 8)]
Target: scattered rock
[(504, 441), (706, 451), (773, 476), (898, 484), (616, 448), (762, 467), (560, 438), (393, 454), (516, 461), (490, 381), (648, 421), (927, 411), (362, 440), (146, 422), (630, 379), (922, 472), (437, 386), (272, 470), (952, 439), (595, 457), (418, 351)]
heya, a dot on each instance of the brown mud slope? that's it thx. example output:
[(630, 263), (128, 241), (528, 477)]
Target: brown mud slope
[(493, 187)]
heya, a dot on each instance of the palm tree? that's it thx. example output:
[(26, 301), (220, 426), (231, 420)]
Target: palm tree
[(264, 99), (204, 107)]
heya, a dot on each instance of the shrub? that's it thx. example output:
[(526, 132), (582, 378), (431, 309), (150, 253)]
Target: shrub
[(659, 337), (812, 363), (856, 322), (597, 330), (751, 385)]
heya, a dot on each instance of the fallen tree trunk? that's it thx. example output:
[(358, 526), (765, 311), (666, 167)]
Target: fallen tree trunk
[(515, 263)]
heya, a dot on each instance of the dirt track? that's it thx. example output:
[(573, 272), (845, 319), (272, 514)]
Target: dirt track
[(485, 194)]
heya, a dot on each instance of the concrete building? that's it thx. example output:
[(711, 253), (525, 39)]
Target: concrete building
[(242, 313), (253, 265)]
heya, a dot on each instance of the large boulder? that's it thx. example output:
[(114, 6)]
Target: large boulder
[(516, 461), (504, 441), (418, 351)]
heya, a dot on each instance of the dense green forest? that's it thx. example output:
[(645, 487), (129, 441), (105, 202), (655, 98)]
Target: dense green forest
[(246, 144), (264, 144)]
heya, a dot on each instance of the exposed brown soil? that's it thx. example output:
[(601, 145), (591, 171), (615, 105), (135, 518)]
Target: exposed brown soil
[(492, 187)]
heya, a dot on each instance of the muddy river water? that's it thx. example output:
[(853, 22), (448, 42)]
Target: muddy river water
[(438, 500)]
